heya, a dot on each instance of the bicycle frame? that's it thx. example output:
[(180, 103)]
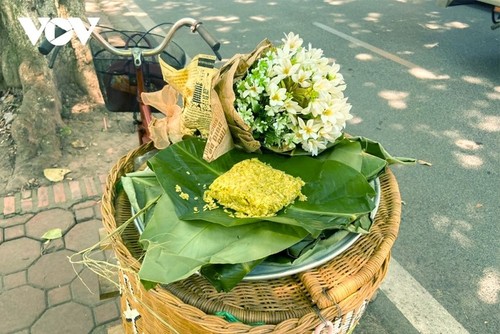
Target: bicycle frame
[(144, 109)]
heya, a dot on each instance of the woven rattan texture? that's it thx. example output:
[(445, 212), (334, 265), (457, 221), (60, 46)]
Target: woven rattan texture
[(339, 289)]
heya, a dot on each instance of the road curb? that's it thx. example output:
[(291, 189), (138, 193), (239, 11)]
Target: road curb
[(62, 194)]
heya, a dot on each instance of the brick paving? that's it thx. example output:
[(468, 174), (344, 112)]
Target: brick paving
[(40, 290)]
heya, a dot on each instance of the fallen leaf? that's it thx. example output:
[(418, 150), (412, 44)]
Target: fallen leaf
[(78, 144), (52, 234), (8, 99), (8, 117), (55, 174)]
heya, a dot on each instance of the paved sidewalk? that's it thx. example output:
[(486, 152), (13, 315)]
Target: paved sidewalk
[(40, 291)]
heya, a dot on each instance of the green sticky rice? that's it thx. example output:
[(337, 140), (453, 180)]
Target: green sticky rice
[(253, 189)]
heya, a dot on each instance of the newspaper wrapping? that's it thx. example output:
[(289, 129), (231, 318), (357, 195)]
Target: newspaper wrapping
[(232, 71), (202, 112)]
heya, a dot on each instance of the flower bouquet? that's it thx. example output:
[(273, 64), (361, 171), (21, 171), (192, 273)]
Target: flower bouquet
[(197, 216), (293, 97)]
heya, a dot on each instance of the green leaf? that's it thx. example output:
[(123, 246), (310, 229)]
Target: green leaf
[(344, 149), (321, 248), (362, 225), (309, 250), (347, 152), (336, 194), (351, 153), (148, 285), (52, 234), (224, 277), (177, 248), (376, 149), (372, 166), (141, 187)]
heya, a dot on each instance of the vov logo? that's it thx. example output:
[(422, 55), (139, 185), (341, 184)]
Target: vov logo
[(66, 26)]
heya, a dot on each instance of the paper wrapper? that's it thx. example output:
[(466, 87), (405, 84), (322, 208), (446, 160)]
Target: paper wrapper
[(167, 130), (232, 71), (202, 112)]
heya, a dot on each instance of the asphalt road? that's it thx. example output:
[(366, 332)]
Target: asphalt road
[(424, 81)]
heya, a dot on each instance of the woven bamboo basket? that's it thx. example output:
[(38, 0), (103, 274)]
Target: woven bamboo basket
[(335, 293)]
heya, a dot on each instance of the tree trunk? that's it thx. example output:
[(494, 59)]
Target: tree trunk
[(48, 95)]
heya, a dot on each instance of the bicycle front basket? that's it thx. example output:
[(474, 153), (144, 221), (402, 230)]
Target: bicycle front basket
[(117, 75)]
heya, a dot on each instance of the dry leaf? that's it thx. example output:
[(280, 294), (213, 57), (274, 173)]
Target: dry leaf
[(55, 174), (78, 144)]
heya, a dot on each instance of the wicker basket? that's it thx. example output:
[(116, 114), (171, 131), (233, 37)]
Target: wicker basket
[(117, 75), (337, 291)]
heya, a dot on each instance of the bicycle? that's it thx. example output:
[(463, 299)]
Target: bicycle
[(136, 64)]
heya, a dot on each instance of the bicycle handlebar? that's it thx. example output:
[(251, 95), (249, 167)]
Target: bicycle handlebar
[(214, 45), (196, 26)]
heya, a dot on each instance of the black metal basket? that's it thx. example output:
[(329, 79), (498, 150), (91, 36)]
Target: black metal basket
[(117, 75)]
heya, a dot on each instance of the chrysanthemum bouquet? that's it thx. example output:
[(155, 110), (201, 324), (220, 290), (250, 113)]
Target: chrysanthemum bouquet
[(293, 97)]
